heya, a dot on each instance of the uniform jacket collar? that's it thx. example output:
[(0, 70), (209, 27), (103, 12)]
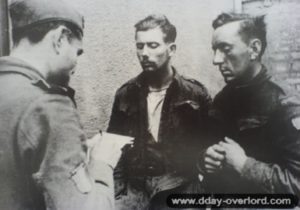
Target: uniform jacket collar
[(10, 64), (258, 79)]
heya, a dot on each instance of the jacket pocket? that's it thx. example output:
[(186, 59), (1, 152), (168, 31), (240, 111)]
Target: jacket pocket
[(252, 122)]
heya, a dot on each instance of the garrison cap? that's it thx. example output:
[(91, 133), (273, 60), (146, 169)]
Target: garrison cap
[(26, 13)]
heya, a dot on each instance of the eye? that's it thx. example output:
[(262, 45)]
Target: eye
[(139, 46), (153, 45), (79, 52), (226, 49)]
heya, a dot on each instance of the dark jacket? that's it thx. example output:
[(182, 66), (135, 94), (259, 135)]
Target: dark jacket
[(180, 131), (42, 158), (262, 116)]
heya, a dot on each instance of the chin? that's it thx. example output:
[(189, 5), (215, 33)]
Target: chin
[(229, 80)]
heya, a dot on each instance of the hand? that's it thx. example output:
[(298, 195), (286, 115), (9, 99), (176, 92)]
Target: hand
[(101, 149), (235, 156), (213, 158)]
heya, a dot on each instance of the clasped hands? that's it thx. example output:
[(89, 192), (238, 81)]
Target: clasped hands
[(227, 153)]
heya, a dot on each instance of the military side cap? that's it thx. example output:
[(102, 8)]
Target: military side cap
[(27, 13)]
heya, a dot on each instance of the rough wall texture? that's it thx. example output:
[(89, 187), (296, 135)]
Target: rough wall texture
[(283, 29), (110, 58)]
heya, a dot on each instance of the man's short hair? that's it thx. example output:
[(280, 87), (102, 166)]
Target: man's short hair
[(161, 21), (250, 27), (36, 33)]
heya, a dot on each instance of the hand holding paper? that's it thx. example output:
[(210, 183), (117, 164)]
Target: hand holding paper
[(107, 147)]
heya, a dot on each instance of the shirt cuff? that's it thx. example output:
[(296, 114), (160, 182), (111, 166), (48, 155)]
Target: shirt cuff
[(258, 173), (247, 169), (102, 174)]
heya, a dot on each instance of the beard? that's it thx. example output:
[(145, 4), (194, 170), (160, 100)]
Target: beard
[(149, 66), (156, 71)]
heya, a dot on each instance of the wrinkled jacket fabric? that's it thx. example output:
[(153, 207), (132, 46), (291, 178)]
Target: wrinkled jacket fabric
[(263, 117), (180, 133), (42, 158)]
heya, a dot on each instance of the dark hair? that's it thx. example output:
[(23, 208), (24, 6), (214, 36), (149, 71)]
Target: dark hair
[(153, 21), (36, 33), (250, 27)]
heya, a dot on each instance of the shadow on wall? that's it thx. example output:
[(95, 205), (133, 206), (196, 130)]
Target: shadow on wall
[(110, 58)]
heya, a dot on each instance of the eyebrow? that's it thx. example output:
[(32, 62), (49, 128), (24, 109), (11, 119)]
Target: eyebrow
[(220, 45), (147, 42)]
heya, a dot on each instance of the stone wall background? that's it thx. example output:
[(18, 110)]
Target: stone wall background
[(110, 58), (282, 56)]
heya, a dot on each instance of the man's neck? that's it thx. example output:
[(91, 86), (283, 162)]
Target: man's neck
[(252, 72), (161, 79), (257, 68)]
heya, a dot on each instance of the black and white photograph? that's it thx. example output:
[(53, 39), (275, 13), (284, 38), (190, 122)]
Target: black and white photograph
[(149, 104)]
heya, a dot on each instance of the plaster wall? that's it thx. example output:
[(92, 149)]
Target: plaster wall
[(110, 59)]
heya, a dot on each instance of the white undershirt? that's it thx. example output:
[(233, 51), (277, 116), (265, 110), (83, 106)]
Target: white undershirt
[(155, 100)]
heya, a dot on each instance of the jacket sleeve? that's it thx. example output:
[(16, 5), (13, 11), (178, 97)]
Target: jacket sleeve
[(118, 117), (281, 177), (186, 153), (116, 125), (50, 142), (272, 178)]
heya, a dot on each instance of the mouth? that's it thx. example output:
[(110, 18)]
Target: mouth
[(148, 65), (226, 72)]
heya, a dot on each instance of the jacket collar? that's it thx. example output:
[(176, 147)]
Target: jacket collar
[(260, 78), (10, 64), (14, 65)]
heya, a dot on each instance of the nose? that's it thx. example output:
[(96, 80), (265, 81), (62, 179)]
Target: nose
[(218, 57), (145, 51)]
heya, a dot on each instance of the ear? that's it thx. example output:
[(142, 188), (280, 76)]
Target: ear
[(255, 49), (172, 49), (58, 38)]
